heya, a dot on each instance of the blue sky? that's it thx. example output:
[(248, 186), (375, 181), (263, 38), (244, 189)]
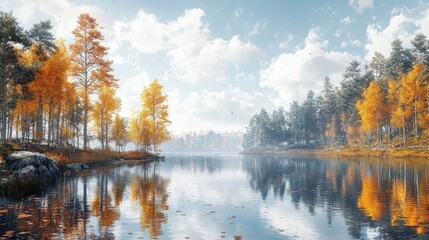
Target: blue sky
[(221, 61)]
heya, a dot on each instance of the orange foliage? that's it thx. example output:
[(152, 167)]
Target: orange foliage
[(89, 67)]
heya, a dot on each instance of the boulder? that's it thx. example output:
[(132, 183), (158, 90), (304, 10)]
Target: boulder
[(76, 167), (30, 171)]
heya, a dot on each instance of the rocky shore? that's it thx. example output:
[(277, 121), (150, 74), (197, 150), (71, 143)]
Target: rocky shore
[(25, 172)]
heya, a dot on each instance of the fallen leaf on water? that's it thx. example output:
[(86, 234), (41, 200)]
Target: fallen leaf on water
[(23, 215), (4, 211), (8, 234), (21, 233)]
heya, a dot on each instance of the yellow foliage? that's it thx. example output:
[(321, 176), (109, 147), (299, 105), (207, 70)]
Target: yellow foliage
[(155, 111), (371, 109), (369, 199)]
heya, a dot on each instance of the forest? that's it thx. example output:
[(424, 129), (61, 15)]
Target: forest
[(58, 95), (205, 141), (383, 104)]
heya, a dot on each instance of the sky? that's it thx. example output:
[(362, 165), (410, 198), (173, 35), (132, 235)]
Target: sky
[(222, 61)]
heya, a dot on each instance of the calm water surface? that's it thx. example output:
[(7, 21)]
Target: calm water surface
[(230, 197)]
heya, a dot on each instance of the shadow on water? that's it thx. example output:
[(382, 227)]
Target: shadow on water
[(389, 198), (88, 206)]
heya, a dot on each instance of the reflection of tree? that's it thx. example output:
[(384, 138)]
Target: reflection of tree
[(102, 208), (64, 213), (370, 199), (59, 214), (390, 194), (150, 190), (211, 164)]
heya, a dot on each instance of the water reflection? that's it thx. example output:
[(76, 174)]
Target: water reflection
[(376, 197), (89, 206), (227, 196)]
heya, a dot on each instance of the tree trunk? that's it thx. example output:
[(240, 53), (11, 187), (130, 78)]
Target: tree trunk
[(3, 111), (39, 125), (85, 120), (50, 123), (403, 129), (106, 132)]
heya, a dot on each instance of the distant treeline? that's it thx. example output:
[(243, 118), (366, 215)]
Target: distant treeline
[(205, 141), (387, 103)]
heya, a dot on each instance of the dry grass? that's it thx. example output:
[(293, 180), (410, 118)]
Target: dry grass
[(61, 159), (64, 157), (355, 152)]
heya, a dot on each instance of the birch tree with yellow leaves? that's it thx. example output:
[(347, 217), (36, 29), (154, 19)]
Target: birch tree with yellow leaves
[(372, 110), (155, 109), (103, 112)]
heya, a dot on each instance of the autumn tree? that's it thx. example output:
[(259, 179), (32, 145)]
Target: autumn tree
[(155, 110), (103, 111), (372, 110), (89, 66), (119, 132), (139, 131), (43, 45), (49, 86)]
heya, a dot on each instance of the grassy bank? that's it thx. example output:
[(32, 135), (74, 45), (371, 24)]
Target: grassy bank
[(347, 152), (65, 156), (91, 157)]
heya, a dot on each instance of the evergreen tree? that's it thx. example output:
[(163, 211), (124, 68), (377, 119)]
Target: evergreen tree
[(400, 60), (13, 73)]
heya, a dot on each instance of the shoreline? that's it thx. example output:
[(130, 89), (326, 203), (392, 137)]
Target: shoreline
[(28, 179), (390, 153)]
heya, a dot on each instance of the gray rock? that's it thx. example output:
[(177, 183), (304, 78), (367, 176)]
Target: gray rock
[(45, 175), (25, 175), (31, 170), (53, 168), (75, 167)]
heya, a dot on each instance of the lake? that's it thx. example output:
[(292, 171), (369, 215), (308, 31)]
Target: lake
[(229, 196)]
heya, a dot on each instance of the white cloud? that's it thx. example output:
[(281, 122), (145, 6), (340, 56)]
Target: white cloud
[(286, 43), (337, 33), (402, 26), (130, 90), (238, 12), (346, 21), (145, 33), (193, 54), (62, 13), (212, 60), (217, 110), (351, 43), (255, 30), (293, 74), (361, 5)]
